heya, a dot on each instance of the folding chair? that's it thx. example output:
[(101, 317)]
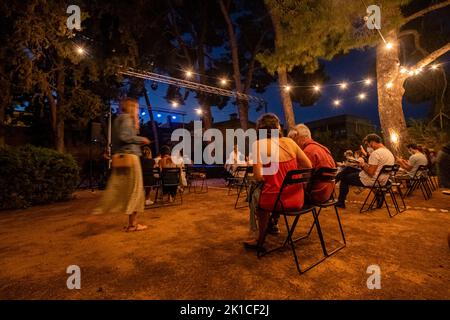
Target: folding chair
[(419, 180), (236, 180), (152, 179), (379, 191), (327, 175), (194, 177), (295, 177), (243, 184), (170, 177)]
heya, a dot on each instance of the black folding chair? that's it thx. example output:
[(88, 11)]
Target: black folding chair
[(196, 178), (152, 180), (237, 179), (380, 189), (295, 177), (326, 175), (243, 184), (170, 177), (419, 180)]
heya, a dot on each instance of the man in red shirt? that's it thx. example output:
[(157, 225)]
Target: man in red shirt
[(320, 157)]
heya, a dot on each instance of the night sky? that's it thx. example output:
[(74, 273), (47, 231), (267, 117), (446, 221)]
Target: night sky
[(355, 66)]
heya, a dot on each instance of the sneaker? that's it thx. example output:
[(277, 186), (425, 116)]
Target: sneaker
[(148, 202)]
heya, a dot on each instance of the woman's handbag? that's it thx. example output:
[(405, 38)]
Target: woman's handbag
[(122, 160)]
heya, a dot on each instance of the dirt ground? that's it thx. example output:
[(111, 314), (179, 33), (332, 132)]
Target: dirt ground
[(194, 251)]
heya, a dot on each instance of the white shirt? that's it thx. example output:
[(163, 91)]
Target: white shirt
[(416, 160), (380, 157), (236, 158)]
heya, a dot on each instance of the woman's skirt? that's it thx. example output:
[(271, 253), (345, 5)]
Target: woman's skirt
[(125, 190)]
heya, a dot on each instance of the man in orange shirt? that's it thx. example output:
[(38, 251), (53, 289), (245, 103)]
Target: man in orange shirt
[(320, 157)]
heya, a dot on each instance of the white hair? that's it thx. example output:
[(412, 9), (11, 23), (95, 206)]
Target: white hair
[(300, 130)]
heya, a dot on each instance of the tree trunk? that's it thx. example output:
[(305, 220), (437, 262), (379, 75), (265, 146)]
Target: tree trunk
[(59, 135), (241, 105), (2, 125), (207, 116), (286, 98), (152, 120), (59, 110), (282, 73), (390, 94)]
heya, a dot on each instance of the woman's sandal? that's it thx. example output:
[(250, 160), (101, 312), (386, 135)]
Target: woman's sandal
[(138, 227)]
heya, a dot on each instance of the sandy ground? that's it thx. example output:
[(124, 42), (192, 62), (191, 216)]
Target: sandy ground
[(194, 251)]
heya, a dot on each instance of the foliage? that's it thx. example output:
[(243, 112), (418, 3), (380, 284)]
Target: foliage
[(31, 175), (428, 136)]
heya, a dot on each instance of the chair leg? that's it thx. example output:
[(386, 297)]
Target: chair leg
[(365, 202)]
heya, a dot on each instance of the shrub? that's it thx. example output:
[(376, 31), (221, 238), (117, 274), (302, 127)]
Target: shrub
[(31, 175)]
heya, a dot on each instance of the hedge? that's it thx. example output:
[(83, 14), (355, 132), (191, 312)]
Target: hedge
[(31, 175)]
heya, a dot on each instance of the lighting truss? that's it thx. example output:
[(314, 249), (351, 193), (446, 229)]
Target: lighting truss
[(189, 84)]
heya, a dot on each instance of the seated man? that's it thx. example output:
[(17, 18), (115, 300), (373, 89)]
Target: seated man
[(416, 159), (234, 160), (351, 164), (319, 156), (380, 157)]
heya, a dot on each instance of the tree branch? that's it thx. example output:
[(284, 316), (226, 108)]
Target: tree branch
[(432, 56), (423, 12), (416, 37)]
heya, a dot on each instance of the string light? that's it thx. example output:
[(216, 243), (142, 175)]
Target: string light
[(389, 46), (287, 88), (174, 117), (389, 85), (362, 96), (418, 71), (394, 137), (316, 88), (368, 82), (343, 85), (337, 102), (159, 115), (223, 81), (198, 111), (434, 67), (80, 50), (189, 74), (174, 104), (411, 72), (403, 70)]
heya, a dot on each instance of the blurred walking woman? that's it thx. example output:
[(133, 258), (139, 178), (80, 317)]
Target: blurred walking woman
[(125, 191)]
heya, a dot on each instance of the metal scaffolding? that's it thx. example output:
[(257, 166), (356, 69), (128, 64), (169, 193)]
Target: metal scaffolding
[(190, 85)]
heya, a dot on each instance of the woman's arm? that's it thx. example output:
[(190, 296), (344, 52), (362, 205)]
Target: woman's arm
[(127, 133)]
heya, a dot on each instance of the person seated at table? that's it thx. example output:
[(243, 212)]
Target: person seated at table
[(319, 156), (416, 159), (379, 157), (235, 159), (269, 177), (148, 164), (167, 162), (351, 164)]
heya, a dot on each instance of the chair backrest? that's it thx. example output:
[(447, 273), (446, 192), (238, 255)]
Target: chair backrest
[(301, 176), (170, 176), (421, 172), (293, 177), (240, 172), (324, 175), (386, 170)]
